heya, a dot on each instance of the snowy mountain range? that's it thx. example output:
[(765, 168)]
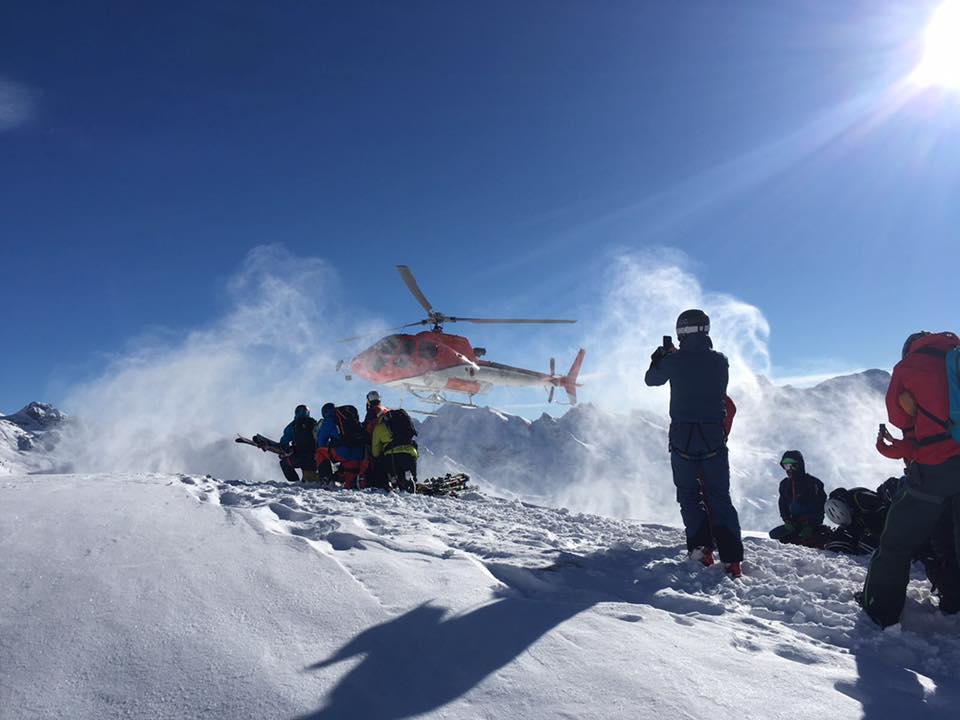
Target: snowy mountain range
[(588, 460)]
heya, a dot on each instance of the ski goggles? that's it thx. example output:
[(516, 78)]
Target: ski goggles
[(789, 463)]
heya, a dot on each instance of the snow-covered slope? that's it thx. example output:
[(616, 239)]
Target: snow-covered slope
[(28, 438), (134, 596)]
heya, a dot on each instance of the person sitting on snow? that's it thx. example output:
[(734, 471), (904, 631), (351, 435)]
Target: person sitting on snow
[(334, 450), (299, 445), (801, 503), (859, 514)]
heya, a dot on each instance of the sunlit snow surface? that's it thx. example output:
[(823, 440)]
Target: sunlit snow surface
[(189, 597)]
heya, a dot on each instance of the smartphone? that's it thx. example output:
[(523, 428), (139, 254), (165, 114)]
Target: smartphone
[(883, 428), (667, 342)]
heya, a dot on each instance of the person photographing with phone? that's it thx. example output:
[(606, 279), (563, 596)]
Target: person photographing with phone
[(698, 377)]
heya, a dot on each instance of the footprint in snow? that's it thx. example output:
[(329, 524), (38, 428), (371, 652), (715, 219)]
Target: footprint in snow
[(288, 513), (799, 655)]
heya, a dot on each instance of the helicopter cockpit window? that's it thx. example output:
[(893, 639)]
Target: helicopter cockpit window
[(406, 348), (429, 350), (387, 346)]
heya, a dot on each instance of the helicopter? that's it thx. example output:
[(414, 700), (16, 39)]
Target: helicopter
[(431, 363)]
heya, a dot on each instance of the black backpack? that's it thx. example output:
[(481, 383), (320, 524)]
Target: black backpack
[(400, 426), (304, 437), (351, 431)]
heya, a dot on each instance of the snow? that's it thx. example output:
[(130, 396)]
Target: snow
[(181, 596)]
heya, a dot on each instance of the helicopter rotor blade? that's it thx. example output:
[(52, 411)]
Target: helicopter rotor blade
[(524, 321), (381, 332), (412, 286)]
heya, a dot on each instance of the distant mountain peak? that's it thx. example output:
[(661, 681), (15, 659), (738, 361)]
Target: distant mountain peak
[(36, 417), (873, 378)]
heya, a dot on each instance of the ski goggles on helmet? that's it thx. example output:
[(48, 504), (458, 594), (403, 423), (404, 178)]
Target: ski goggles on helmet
[(789, 464)]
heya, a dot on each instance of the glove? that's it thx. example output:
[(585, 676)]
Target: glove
[(659, 354)]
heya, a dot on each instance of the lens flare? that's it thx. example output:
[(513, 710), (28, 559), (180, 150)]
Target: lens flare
[(940, 65)]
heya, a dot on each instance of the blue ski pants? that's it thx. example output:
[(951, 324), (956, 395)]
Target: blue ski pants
[(709, 517)]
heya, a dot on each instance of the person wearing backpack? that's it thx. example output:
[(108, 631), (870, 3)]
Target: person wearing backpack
[(300, 446), (698, 377), (395, 451), (374, 410), (919, 403), (340, 442)]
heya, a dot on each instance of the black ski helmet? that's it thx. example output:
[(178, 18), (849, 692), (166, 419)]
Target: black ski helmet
[(693, 321), (910, 340), (328, 410), (301, 411)]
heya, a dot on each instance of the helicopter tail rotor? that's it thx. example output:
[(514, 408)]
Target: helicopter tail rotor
[(569, 381)]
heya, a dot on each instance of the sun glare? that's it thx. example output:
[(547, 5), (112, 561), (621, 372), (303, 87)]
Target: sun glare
[(940, 64)]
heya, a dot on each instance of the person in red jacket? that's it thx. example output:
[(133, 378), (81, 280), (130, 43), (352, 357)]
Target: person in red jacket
[(917, 403), (890, 447)]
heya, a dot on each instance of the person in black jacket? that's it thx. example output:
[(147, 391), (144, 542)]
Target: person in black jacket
[(801, 503), (299, 442), (698, 450), (859, 514)]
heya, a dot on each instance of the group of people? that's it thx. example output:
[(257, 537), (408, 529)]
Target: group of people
[(915, 517), (378, 451)]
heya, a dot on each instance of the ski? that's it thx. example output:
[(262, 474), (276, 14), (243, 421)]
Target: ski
[(263, 443)]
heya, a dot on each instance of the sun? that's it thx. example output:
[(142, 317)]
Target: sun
[(940, 64)]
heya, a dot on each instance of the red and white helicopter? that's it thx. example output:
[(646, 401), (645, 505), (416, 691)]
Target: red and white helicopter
[(432, 362)]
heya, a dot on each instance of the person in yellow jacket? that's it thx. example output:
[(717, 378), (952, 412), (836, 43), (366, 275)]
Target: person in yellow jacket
[(395, 451)]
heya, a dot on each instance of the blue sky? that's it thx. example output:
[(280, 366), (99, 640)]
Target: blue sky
[(504, 150)]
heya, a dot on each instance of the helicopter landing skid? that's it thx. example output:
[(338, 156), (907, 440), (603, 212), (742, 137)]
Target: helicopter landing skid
[(438, 398)]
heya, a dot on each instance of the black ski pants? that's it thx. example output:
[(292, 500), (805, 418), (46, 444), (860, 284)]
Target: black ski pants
[(289, 463), (910, 522), (392, 468)]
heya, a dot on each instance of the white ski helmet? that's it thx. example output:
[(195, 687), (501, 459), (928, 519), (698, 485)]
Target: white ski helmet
[(837, 511), (373, 396)]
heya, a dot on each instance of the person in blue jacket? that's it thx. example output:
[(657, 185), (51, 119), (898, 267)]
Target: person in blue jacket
[(331, 448), (698, 377)]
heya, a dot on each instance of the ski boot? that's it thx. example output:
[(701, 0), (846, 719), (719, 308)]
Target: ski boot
[(733, 569), (703, 555)]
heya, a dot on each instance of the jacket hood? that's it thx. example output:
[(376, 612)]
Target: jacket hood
[(328, 411), (795, 455)]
